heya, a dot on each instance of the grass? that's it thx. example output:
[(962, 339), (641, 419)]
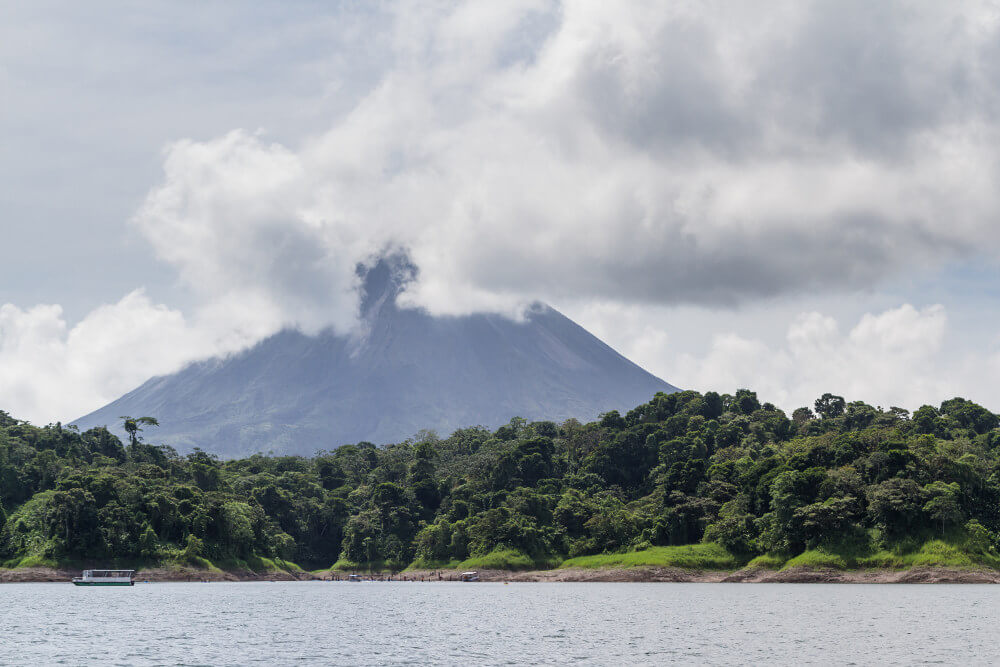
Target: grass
[(31, 561), (767, 562), (422, 564), (502, 559), (204, 564), (941, 554), (253, 563), (954, 552), (690, 556), (883, 559), (264, 564), (818, 559), (933, 553), (344, 565)]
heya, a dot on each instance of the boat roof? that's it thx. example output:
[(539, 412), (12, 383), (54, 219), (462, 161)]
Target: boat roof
[(111, 570)]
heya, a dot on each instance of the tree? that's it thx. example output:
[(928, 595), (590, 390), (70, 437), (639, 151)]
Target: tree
[(801, 416), (235, 525), (133, 427), (927, 420), (735, 531), (101, 441), (746, 401), (860, 415), (830, 406), (148, 546), (979, 539), (192, 547), (712, 405), (73, 522), (684, 467), (331, 473), (943, 505), (969, 415), (825, 521), (895, 506), (791, 490), (421, 477)]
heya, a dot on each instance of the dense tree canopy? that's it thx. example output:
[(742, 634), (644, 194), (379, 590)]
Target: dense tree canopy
[(683, 468)]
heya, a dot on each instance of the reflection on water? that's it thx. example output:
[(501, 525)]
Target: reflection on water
[(462, 624)]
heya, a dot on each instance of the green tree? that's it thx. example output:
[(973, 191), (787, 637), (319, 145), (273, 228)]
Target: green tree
[(148, 543), (895, 506), (192, 547), (829, 406), (942, 507), (133, 427)]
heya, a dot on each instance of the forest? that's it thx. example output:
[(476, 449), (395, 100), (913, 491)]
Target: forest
[(704, 480)]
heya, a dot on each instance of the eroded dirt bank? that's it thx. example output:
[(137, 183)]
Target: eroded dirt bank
[(678, 575), (638, 574)]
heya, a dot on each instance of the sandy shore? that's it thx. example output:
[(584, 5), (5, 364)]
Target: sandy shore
[(637, 574)]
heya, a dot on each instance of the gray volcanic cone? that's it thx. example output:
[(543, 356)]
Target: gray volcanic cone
[(296, 394)]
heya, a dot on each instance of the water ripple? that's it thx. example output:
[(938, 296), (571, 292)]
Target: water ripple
[(492, 624)]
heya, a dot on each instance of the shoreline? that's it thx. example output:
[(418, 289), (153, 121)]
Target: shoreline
[(157, 575), (796, 575)]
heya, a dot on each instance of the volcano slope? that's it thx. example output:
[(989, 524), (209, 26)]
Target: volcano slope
[(405, 371)]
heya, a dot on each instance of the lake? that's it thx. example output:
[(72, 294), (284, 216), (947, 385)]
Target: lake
[(490, 623)]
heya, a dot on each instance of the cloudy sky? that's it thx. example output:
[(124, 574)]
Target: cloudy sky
[(795, 197)]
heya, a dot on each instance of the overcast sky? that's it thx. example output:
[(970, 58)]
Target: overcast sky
[(796, 197)]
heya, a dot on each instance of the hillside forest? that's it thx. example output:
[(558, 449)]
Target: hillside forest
[(738, 481)]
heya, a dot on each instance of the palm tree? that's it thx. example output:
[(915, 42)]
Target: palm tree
[(133, 426)]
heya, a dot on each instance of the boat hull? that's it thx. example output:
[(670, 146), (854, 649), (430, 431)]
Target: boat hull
[(104, 583)]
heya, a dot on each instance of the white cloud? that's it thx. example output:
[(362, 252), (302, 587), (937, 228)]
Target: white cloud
[(53, 371), (644, 153), (896, 357), (631, 154), (902, 355)]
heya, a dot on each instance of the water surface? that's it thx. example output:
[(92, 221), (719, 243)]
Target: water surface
[(488, 623)]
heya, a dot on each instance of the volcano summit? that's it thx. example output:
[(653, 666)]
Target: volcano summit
[(296, 394)]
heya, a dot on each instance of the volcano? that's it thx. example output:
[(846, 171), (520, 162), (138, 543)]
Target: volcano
[(405, 371)]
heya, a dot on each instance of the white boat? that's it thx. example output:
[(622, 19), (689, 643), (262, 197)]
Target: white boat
[(470, 576), (106, 578)]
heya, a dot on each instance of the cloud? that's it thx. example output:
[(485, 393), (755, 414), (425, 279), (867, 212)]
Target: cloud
[(234, 217), (896, 357), (641, 154), (54, 371), (645, 153)]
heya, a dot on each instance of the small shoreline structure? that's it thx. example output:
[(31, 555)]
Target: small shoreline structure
[(105, 578)]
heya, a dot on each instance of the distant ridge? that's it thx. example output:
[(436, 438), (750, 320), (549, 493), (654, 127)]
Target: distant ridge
[(296, 394)]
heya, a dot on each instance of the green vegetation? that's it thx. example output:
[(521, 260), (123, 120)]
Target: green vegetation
[(501, 559), (704, 481), (766, 562), (692, 556), (818, 558)]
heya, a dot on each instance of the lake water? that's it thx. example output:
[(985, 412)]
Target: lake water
[(486, 623)]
